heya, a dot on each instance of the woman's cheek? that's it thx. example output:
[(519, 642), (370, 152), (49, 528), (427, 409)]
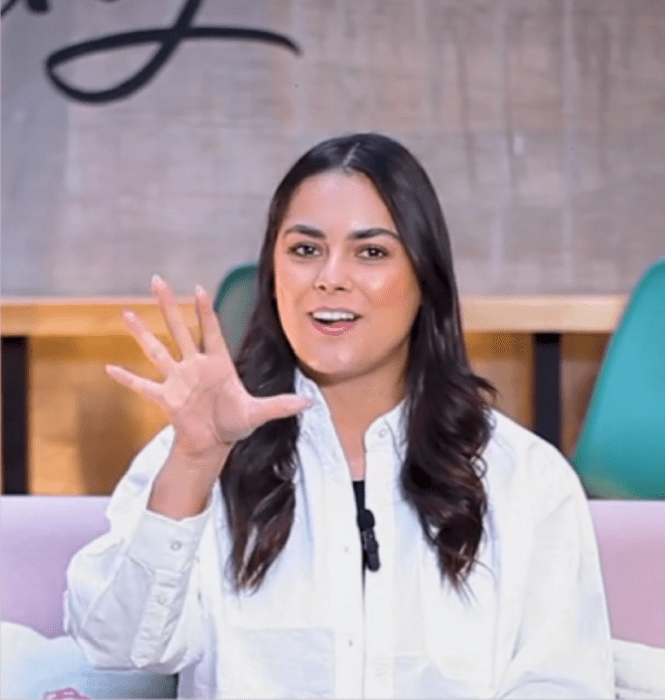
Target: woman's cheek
[(394, 292)]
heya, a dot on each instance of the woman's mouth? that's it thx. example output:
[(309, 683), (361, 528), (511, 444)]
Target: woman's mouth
[(333, 321)]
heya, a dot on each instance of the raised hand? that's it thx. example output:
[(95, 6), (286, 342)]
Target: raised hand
[(201, 394)]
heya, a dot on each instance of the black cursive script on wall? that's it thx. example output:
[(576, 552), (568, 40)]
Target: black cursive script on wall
[(167, 40)]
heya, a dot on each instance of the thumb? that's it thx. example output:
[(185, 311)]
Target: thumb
[(282, 406)]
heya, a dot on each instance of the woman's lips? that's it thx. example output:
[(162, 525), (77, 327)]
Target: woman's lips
[(336, 328)]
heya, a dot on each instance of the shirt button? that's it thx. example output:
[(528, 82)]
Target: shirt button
[(383, 432), (161, 599), (176, 545)]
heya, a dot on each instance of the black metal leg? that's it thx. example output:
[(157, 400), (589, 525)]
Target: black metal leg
[(547, 386), (15, 414)]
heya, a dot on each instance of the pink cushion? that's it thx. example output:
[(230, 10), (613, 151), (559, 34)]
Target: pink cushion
[(39, 536), (631, 539)]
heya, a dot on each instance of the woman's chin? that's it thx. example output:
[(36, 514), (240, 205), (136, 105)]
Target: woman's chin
[(328, 373)]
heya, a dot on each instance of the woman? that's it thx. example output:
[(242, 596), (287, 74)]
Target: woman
[(234, 555)]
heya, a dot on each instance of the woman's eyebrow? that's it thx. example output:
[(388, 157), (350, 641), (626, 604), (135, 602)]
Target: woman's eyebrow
[(306, 230), (354, 235), (371, 232)]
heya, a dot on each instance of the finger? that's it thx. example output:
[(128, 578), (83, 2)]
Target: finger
[(213, 340), (173, 317), (147, 388), (153, 348), (276, 407)]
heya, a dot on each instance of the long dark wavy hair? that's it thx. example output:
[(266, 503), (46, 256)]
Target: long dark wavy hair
[(447, 406)]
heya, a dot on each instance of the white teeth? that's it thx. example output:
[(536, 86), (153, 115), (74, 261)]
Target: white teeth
[(333, 316)]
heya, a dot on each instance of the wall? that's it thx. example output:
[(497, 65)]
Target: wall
[(540, 121)]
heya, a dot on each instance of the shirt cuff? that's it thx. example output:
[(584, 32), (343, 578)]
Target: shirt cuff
[(161, 543)]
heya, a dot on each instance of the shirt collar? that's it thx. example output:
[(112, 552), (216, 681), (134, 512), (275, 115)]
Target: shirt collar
[(390, 424)]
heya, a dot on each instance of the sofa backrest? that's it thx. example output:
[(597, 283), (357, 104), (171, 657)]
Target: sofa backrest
[(39, 535), (631, 540)]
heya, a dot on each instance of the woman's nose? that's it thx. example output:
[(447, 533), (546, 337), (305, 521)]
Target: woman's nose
[(333, 275)]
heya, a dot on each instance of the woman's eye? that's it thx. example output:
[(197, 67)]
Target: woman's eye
[(373, 253), (303, 250)]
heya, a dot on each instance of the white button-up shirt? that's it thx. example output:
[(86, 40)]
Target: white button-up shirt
[(153, 592)]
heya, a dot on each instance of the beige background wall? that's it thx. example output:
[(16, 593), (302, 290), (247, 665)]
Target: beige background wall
[(542, 123)]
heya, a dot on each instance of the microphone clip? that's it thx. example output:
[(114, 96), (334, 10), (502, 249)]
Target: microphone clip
[(368, 539)]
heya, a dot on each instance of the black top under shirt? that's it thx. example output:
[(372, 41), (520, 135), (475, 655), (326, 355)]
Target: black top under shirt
[(359, 493), (365, 522)]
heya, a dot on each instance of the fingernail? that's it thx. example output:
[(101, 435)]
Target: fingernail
[(199, 289), (156, 279), (128, 314)]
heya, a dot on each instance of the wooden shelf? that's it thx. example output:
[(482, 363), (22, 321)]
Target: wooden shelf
[(542, 314), (100, 316)]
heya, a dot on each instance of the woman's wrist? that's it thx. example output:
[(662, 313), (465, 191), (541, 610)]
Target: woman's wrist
[(183, 486)]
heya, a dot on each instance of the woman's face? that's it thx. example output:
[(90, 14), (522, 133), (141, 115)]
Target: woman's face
[(346, 292)]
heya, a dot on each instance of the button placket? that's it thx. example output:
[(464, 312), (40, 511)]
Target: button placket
[(382, 473)]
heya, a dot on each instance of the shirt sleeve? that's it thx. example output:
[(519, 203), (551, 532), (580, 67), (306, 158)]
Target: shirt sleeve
[(563, 647), (132, 598)]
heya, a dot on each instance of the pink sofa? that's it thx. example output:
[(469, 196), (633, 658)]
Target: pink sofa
[(39, 534), (631, 539)]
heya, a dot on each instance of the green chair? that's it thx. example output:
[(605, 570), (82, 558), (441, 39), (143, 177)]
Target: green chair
[(234, 303), (620, 452)]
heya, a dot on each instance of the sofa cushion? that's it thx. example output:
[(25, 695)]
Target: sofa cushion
[(631, 539), (40, 534)]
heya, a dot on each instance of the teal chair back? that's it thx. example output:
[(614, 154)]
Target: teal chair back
[(620, 452), (234, 303)]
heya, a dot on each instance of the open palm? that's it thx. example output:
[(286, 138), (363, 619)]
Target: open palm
[(201, 394)]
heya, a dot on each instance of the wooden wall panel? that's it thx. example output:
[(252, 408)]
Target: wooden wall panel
[(506, 360), (581, 355), (85, 428)]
